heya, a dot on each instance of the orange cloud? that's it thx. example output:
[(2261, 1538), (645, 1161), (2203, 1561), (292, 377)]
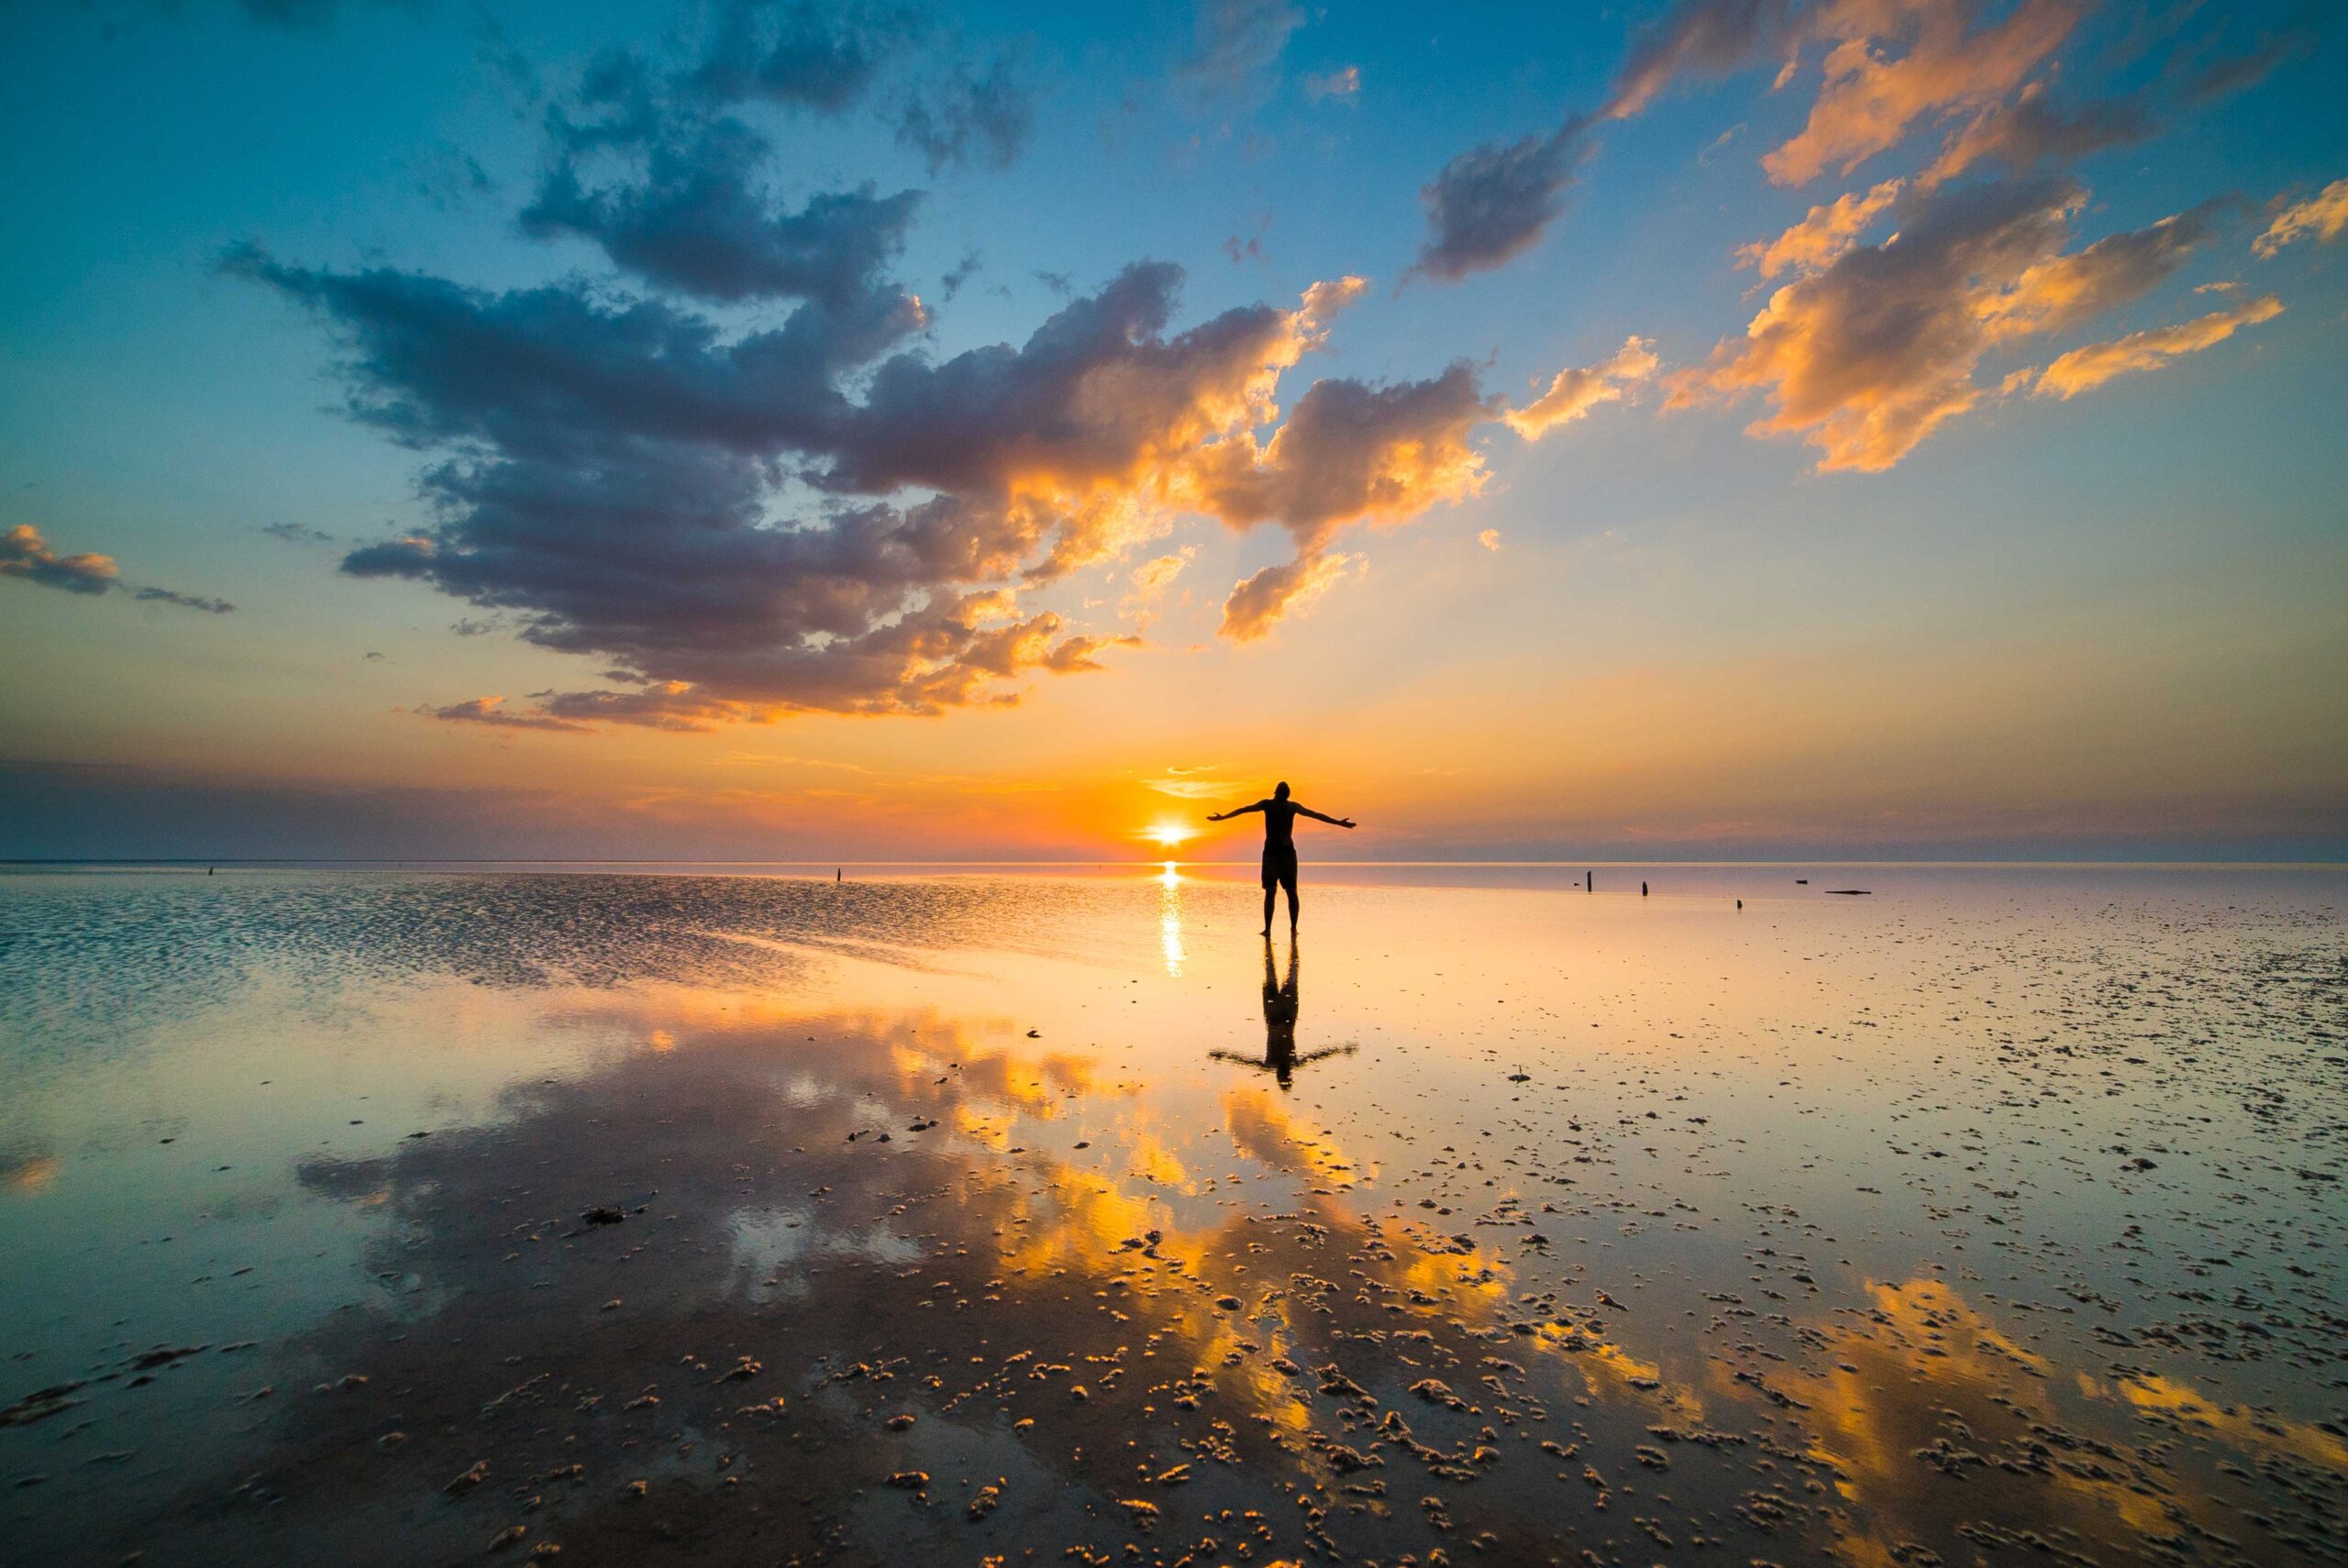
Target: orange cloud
[(1870, 100), (1573, 393), (1289, 588), (2027, 128), (2083, 369), (492, 712), (25, 553), (1868, 358), (2324, 215), (1812, 244)]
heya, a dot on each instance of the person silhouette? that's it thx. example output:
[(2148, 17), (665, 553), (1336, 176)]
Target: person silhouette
[(1280, 1059), (1280, 845)]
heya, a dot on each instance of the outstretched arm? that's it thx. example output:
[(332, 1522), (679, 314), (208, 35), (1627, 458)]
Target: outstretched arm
[(1236, 812), (1333, 821)]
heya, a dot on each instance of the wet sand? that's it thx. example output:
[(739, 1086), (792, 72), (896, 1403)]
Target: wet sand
[(378, 1217)]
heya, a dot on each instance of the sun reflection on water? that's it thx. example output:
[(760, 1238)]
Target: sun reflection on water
[(1169, 918)]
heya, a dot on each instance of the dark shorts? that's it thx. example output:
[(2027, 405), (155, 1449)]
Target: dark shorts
[(1279, 867)]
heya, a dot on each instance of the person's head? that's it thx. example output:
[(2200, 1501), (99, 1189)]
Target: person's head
[(1280, 791)]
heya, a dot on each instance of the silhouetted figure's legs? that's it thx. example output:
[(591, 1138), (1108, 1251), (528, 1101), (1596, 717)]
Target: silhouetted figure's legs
[(1270, 894), (1292, 907)]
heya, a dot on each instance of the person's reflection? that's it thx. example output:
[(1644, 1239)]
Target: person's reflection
[(1279, 1024)]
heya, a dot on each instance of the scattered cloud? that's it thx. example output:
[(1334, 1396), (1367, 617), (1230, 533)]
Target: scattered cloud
[(1277, 591), (1697, 38), (817, 58), (1236, 46), (2082, 369), (1182, 785), (969, 117), (1573, 393), (1822, 235), (2324, 215), (491, 711), (1150, 581), (2253, 65), (1867, 356), (1343, 84), (298, 534), (962, 272), (185, 601), (1249, 247), (1871, 97), (1490, 539), (1156, 574), (1493, 202), (2028, 132), (24, 553)]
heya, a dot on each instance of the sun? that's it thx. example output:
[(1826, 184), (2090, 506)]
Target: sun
[(1169, 834)]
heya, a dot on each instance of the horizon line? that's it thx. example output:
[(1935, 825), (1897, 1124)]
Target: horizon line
[(1160, 862)]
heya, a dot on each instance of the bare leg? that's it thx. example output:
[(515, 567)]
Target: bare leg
[(1268, 912), (1291, 907)]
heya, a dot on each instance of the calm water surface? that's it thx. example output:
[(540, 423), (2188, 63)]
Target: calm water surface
[(382, 1217)]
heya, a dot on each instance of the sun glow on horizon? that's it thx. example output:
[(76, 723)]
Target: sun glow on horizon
[(1169, 834)]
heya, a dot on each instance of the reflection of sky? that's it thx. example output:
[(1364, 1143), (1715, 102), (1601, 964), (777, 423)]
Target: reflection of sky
[(1842, 1135)]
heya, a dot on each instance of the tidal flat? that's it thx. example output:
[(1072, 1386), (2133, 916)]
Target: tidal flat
[(374, 1216)]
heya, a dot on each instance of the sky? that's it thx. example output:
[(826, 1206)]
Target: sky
[(1723, 429)]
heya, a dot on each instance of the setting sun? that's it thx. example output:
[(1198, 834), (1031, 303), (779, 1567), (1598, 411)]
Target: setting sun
[(1168, 833)]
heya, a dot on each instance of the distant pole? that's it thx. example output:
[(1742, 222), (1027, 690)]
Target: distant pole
[(1590, 882), (836, 872), (1643, 889), (1740, 903)]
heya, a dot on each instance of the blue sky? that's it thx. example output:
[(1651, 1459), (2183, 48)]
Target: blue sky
[(2103, 622)]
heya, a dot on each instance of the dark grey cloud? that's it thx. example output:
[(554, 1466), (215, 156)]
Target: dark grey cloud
[(553, 372), (1098, 385), (1494, 201), (967, 118), (620, 102), (962, 272), (698, 223), (185, 601), (298, 534), (819, 57), (492, 712), (613, 475)]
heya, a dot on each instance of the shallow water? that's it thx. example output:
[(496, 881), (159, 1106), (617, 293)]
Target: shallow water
[(1997, 1213)]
